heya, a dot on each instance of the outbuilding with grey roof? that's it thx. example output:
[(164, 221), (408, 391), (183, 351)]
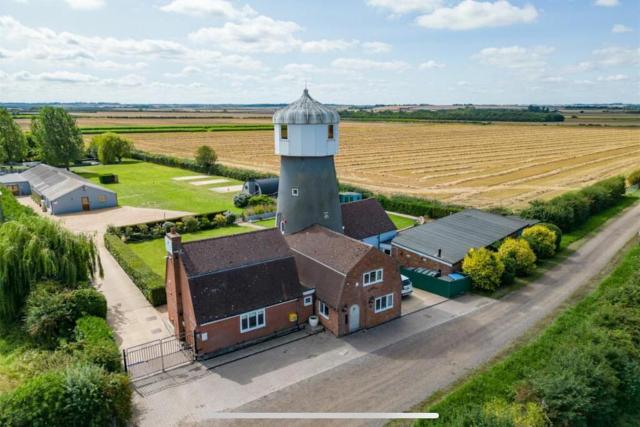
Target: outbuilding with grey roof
[(60, 191), (442, 244)]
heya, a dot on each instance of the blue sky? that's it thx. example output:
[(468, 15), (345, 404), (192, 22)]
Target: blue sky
[(350, 51)]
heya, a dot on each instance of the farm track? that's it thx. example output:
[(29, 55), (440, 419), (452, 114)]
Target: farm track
[(500, 164)]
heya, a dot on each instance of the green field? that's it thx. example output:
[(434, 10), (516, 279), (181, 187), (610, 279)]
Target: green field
[(266, 223), (153, 251), (175, 128), (585, 348), (148, 185)]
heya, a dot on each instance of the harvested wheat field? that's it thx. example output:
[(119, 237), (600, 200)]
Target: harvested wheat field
[(476, 165)]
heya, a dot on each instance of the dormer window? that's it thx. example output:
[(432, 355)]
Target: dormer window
[(330, 132), (284, 132)]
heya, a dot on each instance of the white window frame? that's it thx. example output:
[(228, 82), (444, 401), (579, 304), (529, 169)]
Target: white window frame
[(308, 300), (321, 306), (372, 277), (256, 314), (295, 191), (388, 301)]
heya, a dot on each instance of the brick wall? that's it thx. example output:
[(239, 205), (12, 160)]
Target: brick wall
[(226, 332), (410, 259)]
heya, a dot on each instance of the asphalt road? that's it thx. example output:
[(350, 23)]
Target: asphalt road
[(398, 377)]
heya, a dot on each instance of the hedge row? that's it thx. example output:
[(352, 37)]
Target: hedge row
[(573, 209), (80, 395), (417, 207), (150, 283)]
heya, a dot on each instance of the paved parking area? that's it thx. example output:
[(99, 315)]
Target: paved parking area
[(419, 300)]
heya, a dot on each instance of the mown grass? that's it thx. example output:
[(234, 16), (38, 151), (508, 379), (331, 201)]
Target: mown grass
[(149, 185), (153, 251), (266, 223), (176, 128), (499, 379), (401, 222)]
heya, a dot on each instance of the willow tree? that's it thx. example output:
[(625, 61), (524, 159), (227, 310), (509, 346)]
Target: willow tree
[(33, 249)]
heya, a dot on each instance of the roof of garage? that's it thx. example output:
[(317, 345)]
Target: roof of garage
[(455, 234), (54, 183)]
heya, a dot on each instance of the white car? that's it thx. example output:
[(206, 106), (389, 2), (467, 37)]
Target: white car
[(407, 286)]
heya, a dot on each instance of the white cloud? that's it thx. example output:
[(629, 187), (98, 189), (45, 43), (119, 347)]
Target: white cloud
[(401, 7), (607, 3), (620, 28), (376, 47), (189, 70), (613, 78), (324, 45), (431, 64), (367, 64), (258, 34), (515, 57), (219, 8), (55, 76), (44, 44), (85, 4), (615, 56), (472, 14)]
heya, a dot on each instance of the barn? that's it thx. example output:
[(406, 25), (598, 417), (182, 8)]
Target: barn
[(441, 245), (16, 183), (257, 187), (59, 191)]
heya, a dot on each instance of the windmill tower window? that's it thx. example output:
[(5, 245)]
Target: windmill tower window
[(284, 132), (330, 132), (295, 192)]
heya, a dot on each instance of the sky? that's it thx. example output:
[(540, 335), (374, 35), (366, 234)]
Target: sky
[(345, 51)]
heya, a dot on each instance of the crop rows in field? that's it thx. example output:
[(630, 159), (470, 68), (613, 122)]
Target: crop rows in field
[(469, 164), (176, 128)]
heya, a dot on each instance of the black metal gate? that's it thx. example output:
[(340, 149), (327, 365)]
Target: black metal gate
[(156, 356)]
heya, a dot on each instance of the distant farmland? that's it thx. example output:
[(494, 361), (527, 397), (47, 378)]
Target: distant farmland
[(479, 165)]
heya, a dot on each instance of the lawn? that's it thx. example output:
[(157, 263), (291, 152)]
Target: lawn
[(570, 331), (401, 222), (148, 185), (153, 251), (266, 223)]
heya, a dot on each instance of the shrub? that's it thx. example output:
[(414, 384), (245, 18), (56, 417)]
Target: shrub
[(518, 253), (634, 178), (150, 283), (77, 396), (230, 217), (541, 239), (190, 224), (220, 220), (167, 226), (261, 200), (241, 200), (110, 147), (95, 343), (484, 268), (89, 302), (556, 230), (51, 311), (108, 178)]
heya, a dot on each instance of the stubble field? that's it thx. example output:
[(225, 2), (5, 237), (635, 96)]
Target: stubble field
[(476, 165)]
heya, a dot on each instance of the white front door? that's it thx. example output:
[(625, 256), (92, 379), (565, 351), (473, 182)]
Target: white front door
[(354, 318)]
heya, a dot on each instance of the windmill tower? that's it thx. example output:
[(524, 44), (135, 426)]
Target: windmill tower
[(306, 139)]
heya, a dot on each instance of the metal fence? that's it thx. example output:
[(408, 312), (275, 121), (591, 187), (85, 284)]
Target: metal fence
[(156, 356)]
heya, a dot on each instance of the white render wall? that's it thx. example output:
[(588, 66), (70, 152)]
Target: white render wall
[(307, 141)]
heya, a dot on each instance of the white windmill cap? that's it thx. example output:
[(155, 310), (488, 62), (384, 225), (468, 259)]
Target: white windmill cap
[(306, 111)]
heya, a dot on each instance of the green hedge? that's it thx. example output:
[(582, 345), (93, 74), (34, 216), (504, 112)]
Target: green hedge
[(150, 283), (81, 395), (573, 209), (95, 343), (417, 207), (108, 178)]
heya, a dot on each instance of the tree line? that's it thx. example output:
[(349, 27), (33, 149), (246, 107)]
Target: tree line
[(534, 114)]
